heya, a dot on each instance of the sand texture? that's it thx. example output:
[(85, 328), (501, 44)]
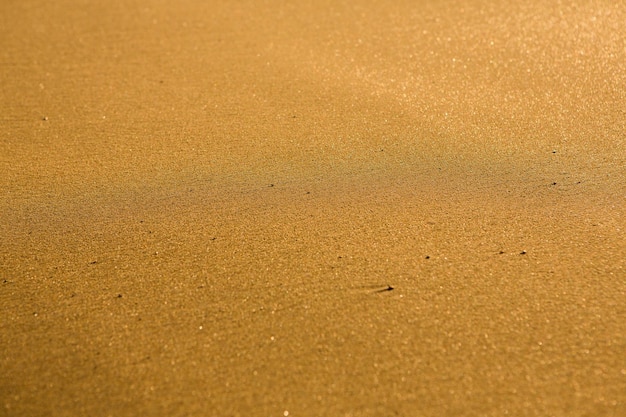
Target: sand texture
[(315, 208)]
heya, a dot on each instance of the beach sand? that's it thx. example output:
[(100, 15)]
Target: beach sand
[(270, 208)]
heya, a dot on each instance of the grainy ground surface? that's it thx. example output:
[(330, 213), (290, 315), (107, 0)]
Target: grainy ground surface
[(203, 205)]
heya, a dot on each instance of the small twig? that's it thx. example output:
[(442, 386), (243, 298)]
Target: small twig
[(389, 288)]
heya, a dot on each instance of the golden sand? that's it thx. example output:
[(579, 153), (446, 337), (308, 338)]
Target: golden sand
[(269, 208)]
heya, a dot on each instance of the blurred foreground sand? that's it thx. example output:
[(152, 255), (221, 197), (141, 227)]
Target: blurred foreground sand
[(201, 203)]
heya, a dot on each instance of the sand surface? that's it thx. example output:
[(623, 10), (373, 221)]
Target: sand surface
[(203, 205)]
